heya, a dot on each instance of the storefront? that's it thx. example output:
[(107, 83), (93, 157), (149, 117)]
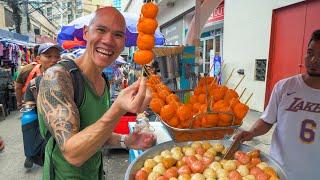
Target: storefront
[(212, 38), (266, 40)]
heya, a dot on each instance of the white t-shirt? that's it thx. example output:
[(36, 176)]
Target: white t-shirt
[(295, 107)]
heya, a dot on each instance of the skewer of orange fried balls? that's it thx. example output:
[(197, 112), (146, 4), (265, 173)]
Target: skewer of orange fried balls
[(220, 99), (146, 26)]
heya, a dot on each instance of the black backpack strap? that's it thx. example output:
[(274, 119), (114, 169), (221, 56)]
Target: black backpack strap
[(34, 86), (106, 79), (77, 79)]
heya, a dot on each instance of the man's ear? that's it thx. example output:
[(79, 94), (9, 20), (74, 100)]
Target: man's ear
[(38, 58), (85, 32)]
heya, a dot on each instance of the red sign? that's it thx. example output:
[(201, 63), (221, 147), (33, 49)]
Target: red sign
[(217, 15)]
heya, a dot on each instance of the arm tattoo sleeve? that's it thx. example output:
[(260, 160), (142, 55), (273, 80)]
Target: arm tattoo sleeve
[(57, 105)]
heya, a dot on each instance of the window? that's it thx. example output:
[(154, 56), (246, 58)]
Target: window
[(36, 31), (69, 4), (70, 18), (209, 46), (49, 12), (78, 15), (260, 69)]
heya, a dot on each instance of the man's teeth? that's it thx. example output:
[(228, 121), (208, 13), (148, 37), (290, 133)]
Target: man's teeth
[(104, 52)]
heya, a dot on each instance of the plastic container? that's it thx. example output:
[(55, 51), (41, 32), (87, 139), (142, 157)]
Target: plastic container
[(30, 130), (122, 126), (29, 114)]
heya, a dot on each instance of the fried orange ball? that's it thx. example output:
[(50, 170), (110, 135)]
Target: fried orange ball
[(154, 79), (167, 112), (234, 102), (193, 99), (240, 110), (217, 93), (163, 95), (184, 113), (149, 10), (225, 117), (219, 104), (156, 104), (172, 97), (197, 90), (175, 104), (230, 94), (196, 107), (174, 122), (212, 120), (202, 98), (205, 80)]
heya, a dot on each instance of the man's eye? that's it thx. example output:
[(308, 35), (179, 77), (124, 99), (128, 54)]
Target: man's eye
[(100, 30), (119, 35)]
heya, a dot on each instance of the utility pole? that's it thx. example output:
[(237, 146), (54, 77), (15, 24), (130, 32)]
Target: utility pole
[(24, 20), (14, 4)]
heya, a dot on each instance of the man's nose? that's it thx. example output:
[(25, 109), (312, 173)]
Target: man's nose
[(315, 59), (107, 38)]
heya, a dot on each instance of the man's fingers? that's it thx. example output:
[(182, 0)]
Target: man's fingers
[(146, 100), (140, 96), (134, 86)]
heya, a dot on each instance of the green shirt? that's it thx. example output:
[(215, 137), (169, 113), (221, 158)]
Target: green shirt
[(91, 109)]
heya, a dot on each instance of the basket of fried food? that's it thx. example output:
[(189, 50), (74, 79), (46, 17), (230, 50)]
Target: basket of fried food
[(212, 112), (203, 161)]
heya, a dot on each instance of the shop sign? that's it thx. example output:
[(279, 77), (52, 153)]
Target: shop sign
[(217, 15), (44, 39), (13, 35), (173, 33)]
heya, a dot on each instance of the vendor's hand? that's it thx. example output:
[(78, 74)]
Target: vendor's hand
[(244, 136), (140, 140), (135, 98)]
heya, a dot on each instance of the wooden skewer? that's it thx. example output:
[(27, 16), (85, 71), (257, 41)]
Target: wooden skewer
[(223, 67), (229, 77), (244, 90), (211, 68), (145, 70), (239, 82), (248, 99)]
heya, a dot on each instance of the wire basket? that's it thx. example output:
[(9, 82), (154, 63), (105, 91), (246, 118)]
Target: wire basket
[(197, 134)]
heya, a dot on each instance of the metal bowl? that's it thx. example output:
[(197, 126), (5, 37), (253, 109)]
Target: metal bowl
[(156, 150)]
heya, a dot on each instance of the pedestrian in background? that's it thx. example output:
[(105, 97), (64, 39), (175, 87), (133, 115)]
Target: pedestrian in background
[(48, 55)]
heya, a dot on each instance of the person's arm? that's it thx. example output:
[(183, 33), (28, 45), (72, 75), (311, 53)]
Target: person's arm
[(29, 96), (18, 91), (267, 119), (63, 121), (259, 128)]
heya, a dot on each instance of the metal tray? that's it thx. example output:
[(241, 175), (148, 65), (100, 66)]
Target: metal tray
[(156, 150)]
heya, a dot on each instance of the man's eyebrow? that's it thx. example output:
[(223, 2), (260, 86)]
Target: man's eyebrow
[(105, 27)]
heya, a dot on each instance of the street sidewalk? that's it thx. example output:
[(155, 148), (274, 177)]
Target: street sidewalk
[(115, 161)]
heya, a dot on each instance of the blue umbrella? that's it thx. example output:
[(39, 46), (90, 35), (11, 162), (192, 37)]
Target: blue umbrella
[(75, 29)]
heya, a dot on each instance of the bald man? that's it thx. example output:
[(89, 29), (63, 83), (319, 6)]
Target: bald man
[(78, 134)]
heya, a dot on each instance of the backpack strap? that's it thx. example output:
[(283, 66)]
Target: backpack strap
[(34, 86), (77, 79)]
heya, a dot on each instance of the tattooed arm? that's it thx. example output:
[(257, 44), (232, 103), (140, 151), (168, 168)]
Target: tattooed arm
[(56, 103)]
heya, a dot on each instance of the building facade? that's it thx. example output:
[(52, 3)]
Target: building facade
[(267, 40), (38, 26), (62, 12)]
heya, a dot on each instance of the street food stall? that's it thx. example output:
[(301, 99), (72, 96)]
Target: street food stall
[(196, 124)]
